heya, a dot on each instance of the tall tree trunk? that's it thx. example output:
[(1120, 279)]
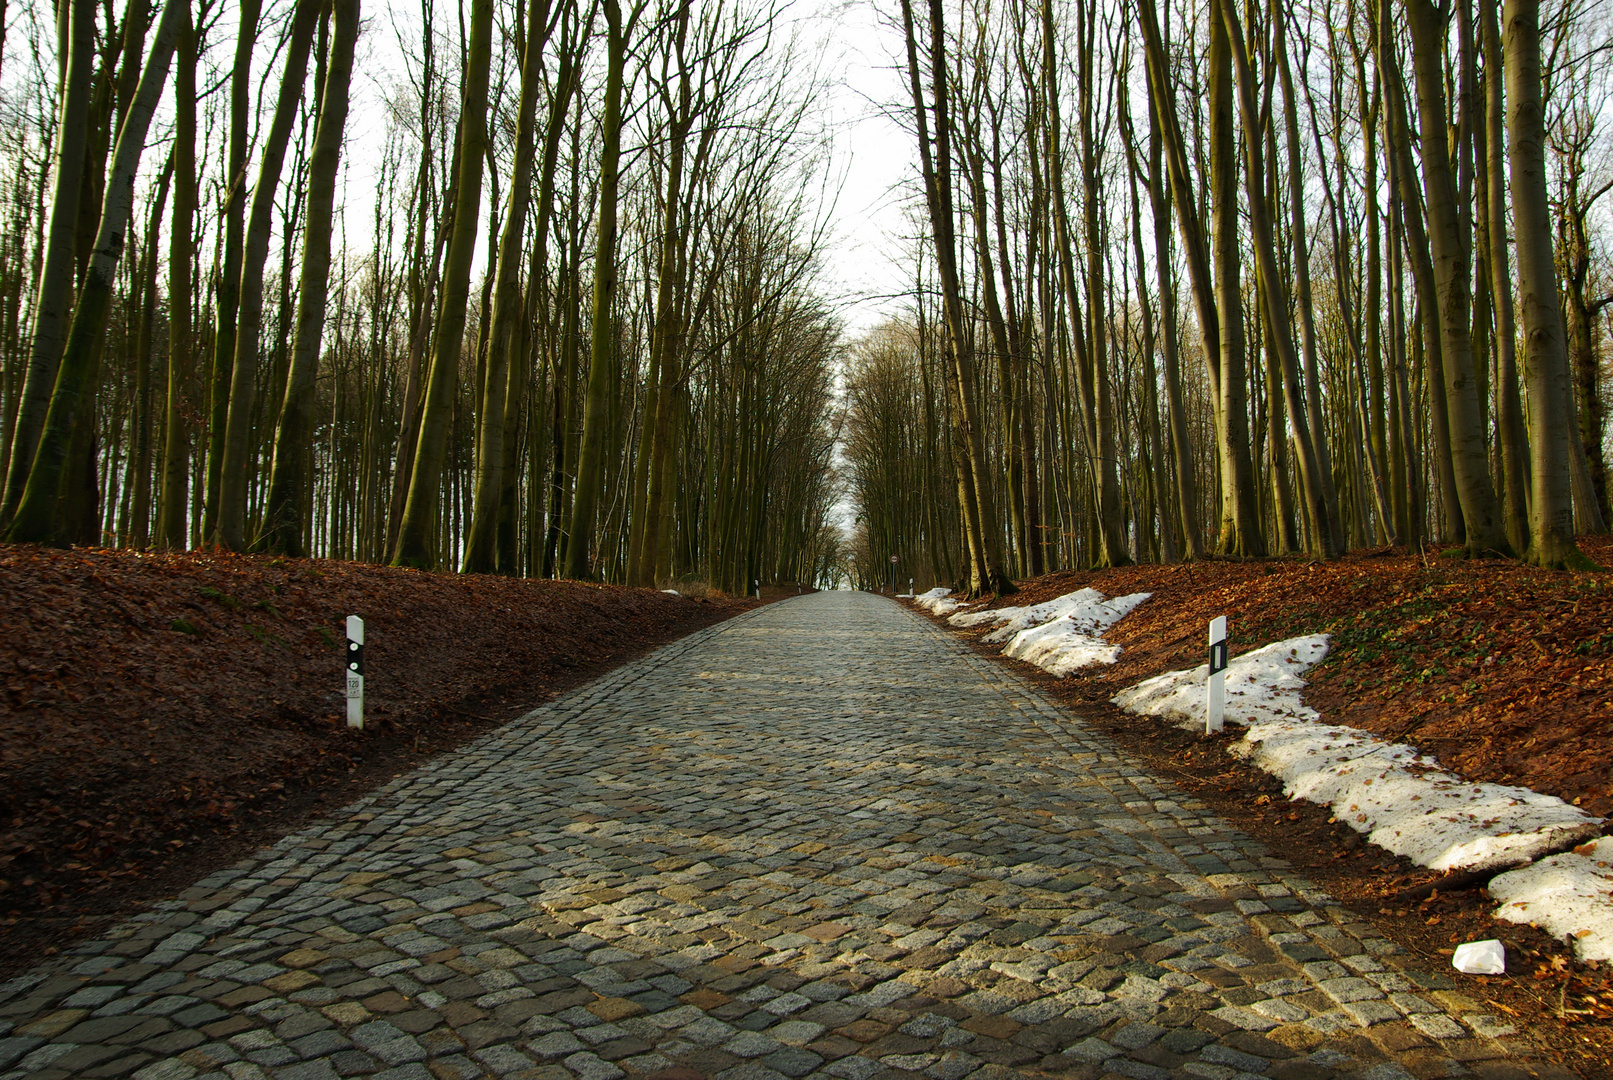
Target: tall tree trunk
[(174, 498), (1551, 415), (139, 531), (602, 341), (223, 375), (1094, 343), (1240, 521), (246, 321), (1159, 467), (1169, 186), (971, 161), (285, 506), (1408, 204), (937, 173), (481, 544), (1331, 529), (38, 518), (1320, 498), (53, 306), (666, 338), (538, 308), (1481, 516), (1508, 402)]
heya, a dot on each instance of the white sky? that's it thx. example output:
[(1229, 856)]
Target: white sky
[(877, 159), (869, 175), (872, 160)]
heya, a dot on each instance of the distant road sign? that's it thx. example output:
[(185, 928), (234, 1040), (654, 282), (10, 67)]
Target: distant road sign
[(895, 559)]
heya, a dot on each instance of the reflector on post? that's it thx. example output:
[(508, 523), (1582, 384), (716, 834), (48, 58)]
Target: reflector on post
[(355, 672), (1215, 689)]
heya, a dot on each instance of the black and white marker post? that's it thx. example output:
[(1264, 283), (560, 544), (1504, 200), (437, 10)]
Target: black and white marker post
[(355, 672), (1216, 690)]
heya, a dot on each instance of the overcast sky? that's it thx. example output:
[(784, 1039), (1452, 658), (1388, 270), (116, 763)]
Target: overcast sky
[(877, 159), (870, 170), (872, 160)]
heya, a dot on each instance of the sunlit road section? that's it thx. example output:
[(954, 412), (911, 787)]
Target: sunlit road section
[(821, 839)]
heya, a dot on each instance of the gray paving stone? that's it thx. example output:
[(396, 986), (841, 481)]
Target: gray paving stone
[(502, 1060), (412, 1071), (320, 1069), (853, 1068), (1218, 1054), (954, 1065), (1437, 1025), (592, 1067), (14, 1047), (750, 1044), (354, 1063), (751, 1070), (821, 839), (792, 1061)]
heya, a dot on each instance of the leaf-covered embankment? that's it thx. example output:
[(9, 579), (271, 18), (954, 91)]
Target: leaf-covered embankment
[(160, 713)]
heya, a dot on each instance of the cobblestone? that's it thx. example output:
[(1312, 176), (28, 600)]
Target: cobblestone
[(821, 839)]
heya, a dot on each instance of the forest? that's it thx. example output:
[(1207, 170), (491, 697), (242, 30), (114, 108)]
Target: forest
[(584, 337), (1201, 281), (1186, 280)]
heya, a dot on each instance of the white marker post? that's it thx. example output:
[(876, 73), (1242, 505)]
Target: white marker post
[(355, 672), (1216, 690)]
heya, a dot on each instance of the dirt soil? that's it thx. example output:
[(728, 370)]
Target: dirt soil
[(1502, 672), (163, 715)]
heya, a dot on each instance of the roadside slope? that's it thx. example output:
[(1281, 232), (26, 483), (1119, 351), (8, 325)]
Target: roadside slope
[(1502, 672), (160, 714)]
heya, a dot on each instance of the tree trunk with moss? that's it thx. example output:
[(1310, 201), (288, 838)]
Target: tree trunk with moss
[(1551, 412), (38, 518), (576, 562), (283, 525), (53, 304), (481, 543), (417, 534), (246, 323)]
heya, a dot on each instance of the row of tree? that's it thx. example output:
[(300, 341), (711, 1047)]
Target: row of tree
[(1208, 277), (584, 337)]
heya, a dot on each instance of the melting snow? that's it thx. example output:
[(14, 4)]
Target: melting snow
[(1568, 895), (1401, 799), (1261, 685), (979, 618), (1069, 637), (936, 601), (1059, 636), (1406, 803), (1086, 607)]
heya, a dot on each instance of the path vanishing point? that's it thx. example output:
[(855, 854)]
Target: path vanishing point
[(820, 839)]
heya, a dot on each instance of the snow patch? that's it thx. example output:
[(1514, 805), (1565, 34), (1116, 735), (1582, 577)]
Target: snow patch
[(1065, 635), (1568, 895), (1406, 803), (1087, 606), (980, 618), (936, 601), (1261, 685), (1059, 636), (1400, 798)]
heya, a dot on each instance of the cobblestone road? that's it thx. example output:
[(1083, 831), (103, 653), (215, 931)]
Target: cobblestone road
[(822, 839)]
